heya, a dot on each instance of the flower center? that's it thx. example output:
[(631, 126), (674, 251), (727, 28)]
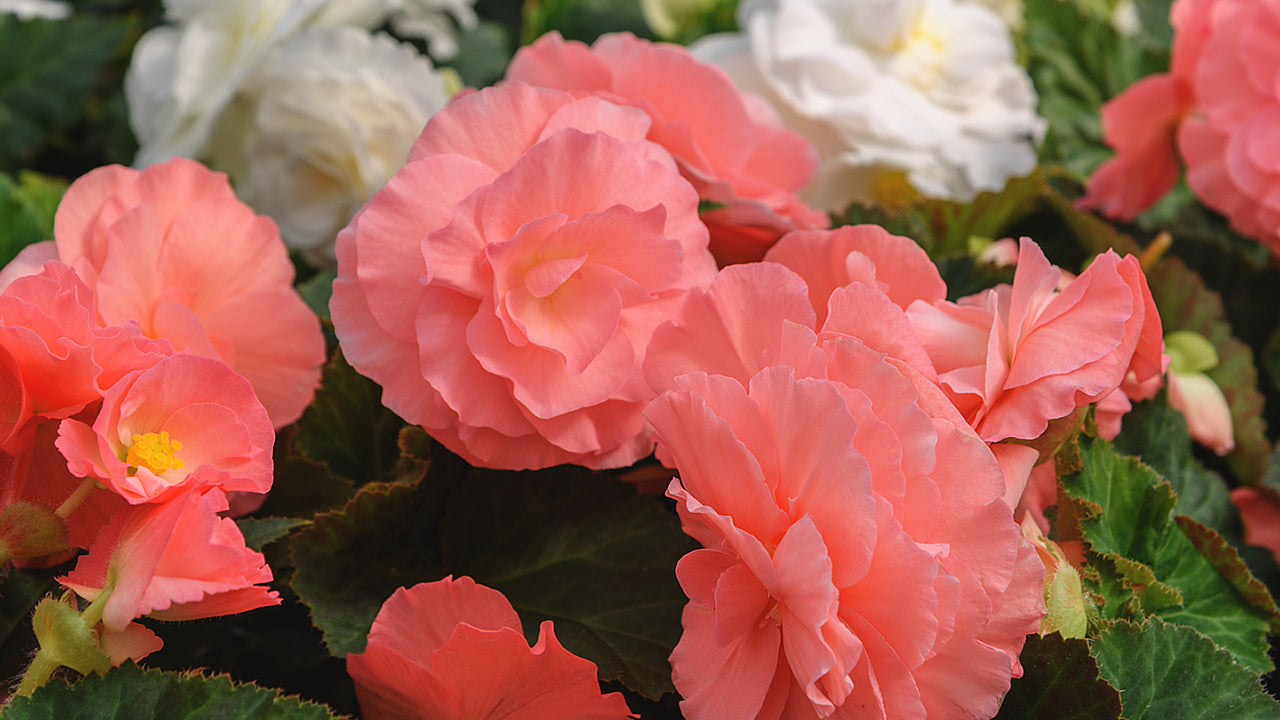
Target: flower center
[(155, 452)]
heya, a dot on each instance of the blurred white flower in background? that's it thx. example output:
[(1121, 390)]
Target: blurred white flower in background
[(32, 9), (305, 109), (320, 127), (926, 91)]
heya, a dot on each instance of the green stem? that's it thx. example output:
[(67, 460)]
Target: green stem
[(92, 615), (38, 673), (43, 665), (70, 504)]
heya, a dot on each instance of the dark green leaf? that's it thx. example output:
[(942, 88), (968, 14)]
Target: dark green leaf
[(129, 692), (303, 487), (583, 550), (261, 531), (1060, 682), (317, 290), (583, 20), (1172, 672), (1134, 544), (47, 67), (1158, 435), (348, 563), (347, 428), (483, 54)]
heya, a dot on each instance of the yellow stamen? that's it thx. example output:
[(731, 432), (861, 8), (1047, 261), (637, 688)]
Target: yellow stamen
[(154, 451)]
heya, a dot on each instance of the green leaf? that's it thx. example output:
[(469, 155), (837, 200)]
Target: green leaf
[(19, 592), (583, 20), (581, 549), (1186, 304), (348, 563), (317, 290), (1226, 560), (1157, 434), (483, 54), (27, 208), (1172, 672), (1147, 564), (302, 487), (47, 68), (129, 692), (1059, 682), (261, 531), (347, 428)]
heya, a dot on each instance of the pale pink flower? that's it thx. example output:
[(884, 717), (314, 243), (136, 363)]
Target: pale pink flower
[(173, 249), (869, 254), (454, 650), (56, 362), (176, 560), (188, 421), (503, 286), (729, 144), (1219, 106), (823, 477), (1260, 512), (1141, 125), (56, 353), (1229, 141), (1017, 356)]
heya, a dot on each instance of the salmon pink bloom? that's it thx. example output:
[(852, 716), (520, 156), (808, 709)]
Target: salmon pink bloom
[(823, 589), (56, 362), (822, 477), (454, 650), (175, 560), (1017, 356), (503, 286), (1260, 512), (188, 421), (729, 144), (869, 254), (173, 249)]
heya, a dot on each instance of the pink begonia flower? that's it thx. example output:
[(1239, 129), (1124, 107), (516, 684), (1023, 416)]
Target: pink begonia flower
[(57, 361), (55, 357), (1260, 512), (503, 286), (869, 254), (172, 248), (1012, 358), (454, 650), (176, 560), (1141, 125), (1219, 105), (1229, 141), (822, 477), (729, 144), (188, 421)]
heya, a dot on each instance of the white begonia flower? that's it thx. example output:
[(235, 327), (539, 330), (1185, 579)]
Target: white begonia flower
[(926, 89), (183, 74), (32, 9), (321, 125)]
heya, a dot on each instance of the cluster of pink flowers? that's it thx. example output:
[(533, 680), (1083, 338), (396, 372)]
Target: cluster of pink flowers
[(539, 285), (535, 287), (1217, 109), (137, 397)]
